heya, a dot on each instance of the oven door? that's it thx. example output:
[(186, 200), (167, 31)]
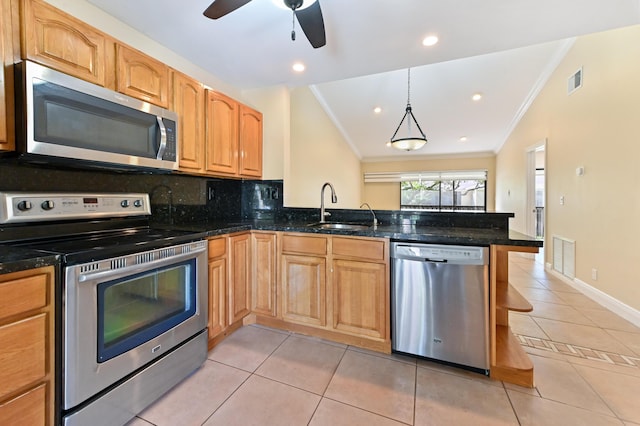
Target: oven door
[(120, 314)]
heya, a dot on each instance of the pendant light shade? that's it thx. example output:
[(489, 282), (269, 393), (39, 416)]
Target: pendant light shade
[(411, 136)]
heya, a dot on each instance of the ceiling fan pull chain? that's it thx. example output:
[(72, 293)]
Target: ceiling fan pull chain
[(293, 25)]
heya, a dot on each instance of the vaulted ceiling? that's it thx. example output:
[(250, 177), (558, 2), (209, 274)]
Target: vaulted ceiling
[(501, 49)]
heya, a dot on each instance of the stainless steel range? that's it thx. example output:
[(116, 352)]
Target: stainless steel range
[(133, 299)]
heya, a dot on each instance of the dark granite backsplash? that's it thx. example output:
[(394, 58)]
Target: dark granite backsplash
[(178, 199)]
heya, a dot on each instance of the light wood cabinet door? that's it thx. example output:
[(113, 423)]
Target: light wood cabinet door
[(263, 260), (360, 301), (239, 297), (188, 103), (27, 340), (141, 76), (303, 289), (62, 42), (5, 94), (250, 142), (217, 296), (221, 134)]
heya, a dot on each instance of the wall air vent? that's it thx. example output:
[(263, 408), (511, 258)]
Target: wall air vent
[(575, 81)]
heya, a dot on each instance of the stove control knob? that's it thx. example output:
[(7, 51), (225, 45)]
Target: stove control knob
[(124, 203), (47, 205), (137, 203), (25, 205)]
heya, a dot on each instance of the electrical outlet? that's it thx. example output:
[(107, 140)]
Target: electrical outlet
[(594, 274), (562, 200)]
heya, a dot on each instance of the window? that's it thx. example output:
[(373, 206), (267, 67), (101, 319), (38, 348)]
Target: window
[(444, 195), (438, 191)]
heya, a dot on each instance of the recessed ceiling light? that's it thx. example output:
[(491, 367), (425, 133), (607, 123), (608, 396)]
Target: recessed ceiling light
[(281, 5), (476, 96), (389, 144), (377, 110), (298, 67), (463, 138), (430, 40)]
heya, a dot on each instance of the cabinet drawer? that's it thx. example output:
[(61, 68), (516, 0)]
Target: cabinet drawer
[(26, 409), (304, 244), (23, 353), (23, 294), (360, 248), (217, 247)]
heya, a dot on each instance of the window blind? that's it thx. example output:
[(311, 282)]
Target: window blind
[(372, 177)]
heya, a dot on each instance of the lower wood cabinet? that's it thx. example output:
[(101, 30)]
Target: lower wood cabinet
[(333, 287), (229, 284), (263, 273), (27, 347)]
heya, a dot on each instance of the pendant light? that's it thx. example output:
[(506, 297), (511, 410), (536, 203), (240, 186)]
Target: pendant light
[(409, 142)]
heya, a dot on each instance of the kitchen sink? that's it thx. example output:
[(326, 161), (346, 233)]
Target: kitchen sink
[(339, 225)]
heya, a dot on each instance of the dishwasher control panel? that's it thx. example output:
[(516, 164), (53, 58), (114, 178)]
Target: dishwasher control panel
[(440, 253)]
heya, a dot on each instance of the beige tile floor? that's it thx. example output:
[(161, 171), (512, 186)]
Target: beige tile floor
[(587, 372)]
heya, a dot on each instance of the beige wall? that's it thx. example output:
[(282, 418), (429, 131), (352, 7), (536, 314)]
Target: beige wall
[(318, 154), (596, 127), (386, 196)]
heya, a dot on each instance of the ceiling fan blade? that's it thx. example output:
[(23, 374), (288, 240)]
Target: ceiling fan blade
[(312, 24), (219, 8)]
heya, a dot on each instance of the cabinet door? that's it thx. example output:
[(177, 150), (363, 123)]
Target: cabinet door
[(239, 300), (360, 302), (217, 296), (221, 134), (250, 142), (304, 289), (263, 259), (141, 76), (188, 103), (60, 41), (5, 26)]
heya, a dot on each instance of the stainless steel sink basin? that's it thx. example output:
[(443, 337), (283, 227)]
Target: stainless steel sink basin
[(340, 225)]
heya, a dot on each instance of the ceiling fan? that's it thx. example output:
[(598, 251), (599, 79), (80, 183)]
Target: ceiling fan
[(309, 18)]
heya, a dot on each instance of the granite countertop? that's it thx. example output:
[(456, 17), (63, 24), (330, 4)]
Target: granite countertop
[(417, 233), (13, 259)]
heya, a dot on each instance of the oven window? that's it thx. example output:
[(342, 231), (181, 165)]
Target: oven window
[(135, 309)]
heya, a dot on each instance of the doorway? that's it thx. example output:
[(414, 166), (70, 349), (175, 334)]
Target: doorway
[(536, 190)]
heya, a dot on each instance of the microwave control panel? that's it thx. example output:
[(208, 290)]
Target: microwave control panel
[(19, 207)]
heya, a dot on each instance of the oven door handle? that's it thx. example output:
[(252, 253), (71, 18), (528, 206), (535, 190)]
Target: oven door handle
[(140, 267)]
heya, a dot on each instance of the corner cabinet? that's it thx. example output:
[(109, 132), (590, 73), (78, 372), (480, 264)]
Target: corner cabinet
[(250, 146), (27, 356), (229, 284), (509, 362)]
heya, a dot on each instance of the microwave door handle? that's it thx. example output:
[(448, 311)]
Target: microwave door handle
[(163, 138)]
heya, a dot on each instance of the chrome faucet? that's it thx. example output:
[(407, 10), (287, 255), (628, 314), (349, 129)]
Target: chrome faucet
[(334, 200), (375, 219)]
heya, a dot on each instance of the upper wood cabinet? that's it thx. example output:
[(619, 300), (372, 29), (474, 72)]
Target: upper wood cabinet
[(27, 391), (188, 103), (141, 76), (62, 42), (250, 142), (6, 92), (221, 134)]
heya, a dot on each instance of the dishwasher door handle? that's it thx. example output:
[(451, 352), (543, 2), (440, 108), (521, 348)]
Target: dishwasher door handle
[(426, 259)]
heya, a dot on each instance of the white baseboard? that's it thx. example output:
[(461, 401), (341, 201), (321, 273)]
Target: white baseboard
[(622, 309)]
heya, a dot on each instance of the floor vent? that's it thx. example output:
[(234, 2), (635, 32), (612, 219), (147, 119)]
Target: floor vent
[(564, 256), (575, 81)]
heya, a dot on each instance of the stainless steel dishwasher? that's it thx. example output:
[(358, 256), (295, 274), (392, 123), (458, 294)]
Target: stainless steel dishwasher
[(440, 303)]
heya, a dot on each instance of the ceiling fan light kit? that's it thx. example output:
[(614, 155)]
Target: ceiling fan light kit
[(308, 13), (409, 142)]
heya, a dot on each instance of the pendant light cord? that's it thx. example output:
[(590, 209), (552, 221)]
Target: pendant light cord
[(408, 86)]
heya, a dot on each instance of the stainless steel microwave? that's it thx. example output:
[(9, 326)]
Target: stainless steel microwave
[(64, 118)]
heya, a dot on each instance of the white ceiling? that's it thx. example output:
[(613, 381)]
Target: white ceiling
[(501, 48)]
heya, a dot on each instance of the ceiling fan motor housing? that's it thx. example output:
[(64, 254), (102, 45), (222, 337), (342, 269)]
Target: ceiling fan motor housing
[(293, 4)]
